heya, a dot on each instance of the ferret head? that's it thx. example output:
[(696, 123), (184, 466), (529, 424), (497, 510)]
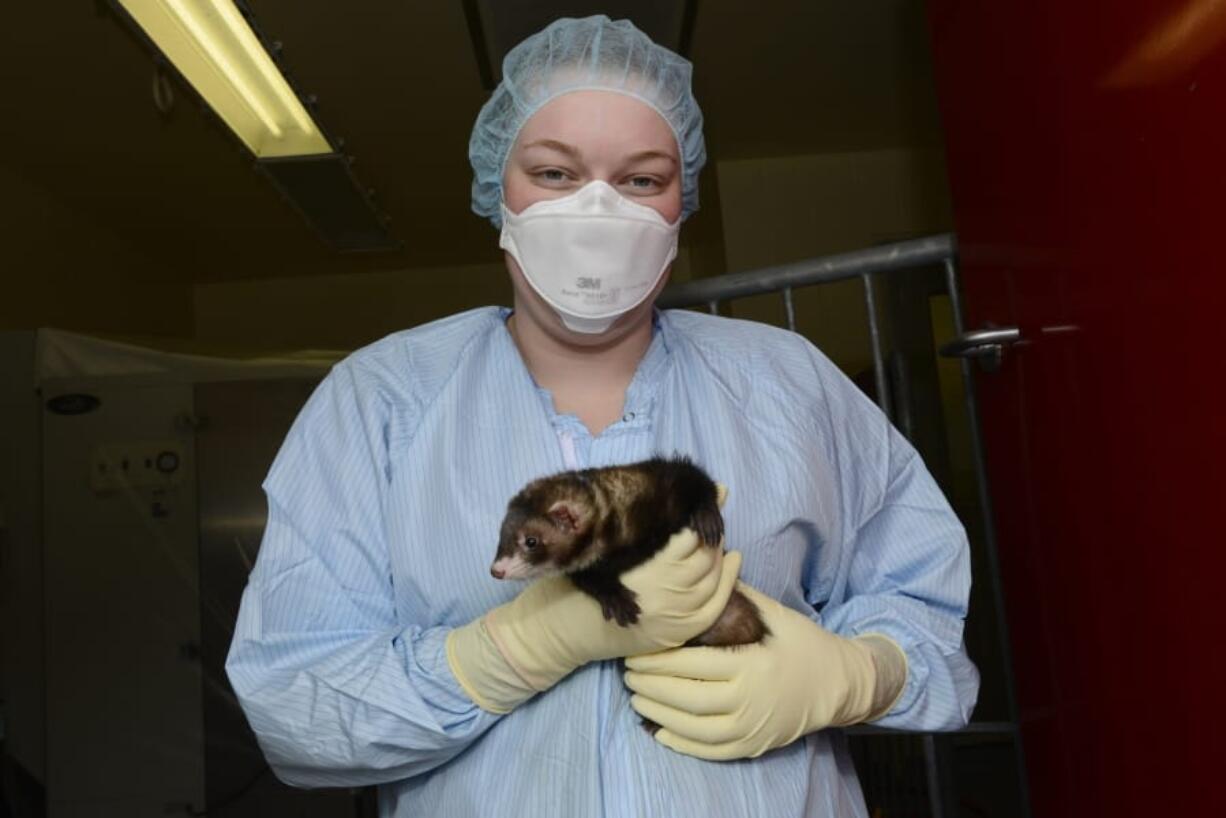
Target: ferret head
[(547, 530)]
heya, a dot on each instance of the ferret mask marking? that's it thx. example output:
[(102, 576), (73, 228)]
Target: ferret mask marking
[(516, 567)]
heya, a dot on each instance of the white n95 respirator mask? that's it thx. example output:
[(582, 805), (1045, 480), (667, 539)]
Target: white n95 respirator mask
[(592, 255)]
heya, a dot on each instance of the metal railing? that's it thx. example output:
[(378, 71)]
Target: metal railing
[(913, 254), (784, 278)]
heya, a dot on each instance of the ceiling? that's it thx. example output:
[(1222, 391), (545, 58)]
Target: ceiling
[(399, 81)]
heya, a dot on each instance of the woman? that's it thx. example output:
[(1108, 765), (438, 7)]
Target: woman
[(373, 646)]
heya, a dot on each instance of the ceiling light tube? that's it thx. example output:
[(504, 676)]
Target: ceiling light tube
[(212, 46)]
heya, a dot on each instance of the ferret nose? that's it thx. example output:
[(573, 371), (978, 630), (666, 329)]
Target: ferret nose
[(497, 572)]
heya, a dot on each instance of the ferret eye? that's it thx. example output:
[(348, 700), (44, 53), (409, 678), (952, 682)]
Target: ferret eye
[(530, 542)]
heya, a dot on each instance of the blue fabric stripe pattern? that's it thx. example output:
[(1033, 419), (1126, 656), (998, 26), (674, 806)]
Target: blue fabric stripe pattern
[(384, 504)]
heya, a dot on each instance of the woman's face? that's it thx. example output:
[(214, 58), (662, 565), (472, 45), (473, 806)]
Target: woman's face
[(577, 138)]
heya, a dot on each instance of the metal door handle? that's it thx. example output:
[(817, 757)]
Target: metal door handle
[(985, 345), (980, 342)]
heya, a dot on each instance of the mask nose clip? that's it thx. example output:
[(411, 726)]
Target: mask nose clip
[(602, 192)]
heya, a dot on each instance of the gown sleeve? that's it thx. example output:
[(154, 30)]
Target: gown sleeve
[(338, 690), (905, 562)]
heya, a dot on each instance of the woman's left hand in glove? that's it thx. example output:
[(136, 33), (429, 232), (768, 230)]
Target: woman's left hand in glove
[(726, 703)]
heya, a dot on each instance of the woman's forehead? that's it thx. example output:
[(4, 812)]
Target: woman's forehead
[(600, 122)]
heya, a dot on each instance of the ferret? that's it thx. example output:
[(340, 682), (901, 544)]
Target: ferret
[(595, 524)]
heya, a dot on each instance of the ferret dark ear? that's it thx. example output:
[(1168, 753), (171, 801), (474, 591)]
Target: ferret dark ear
[(564, 515)]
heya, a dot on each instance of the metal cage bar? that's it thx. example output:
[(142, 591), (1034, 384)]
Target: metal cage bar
[(874, 336), (789, 308), (989, 522)]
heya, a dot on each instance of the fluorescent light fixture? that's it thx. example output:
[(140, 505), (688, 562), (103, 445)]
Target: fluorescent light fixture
[(211, 45)]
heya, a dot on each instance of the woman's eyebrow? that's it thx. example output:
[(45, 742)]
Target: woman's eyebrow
[(574, 153), (562, 147), (643, 155)]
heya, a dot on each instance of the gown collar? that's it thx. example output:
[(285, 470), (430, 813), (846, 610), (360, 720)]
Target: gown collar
[(644, 387)]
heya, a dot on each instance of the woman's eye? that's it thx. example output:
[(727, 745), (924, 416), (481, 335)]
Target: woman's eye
[(643, 184), (530, 543), (552, 175)]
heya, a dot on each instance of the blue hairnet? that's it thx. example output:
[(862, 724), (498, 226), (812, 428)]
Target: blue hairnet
[(576, 54)]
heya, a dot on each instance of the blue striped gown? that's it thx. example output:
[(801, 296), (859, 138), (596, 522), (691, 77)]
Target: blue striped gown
[(383, 511)]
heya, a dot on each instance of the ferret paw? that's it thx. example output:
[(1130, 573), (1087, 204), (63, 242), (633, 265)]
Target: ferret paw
[(708, 524), (621, 608)]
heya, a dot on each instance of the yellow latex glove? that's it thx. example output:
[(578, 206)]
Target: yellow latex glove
[(526, 645), (721, 703)]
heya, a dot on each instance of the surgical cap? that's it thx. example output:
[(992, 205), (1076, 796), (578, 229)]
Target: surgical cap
[(592, 53)]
